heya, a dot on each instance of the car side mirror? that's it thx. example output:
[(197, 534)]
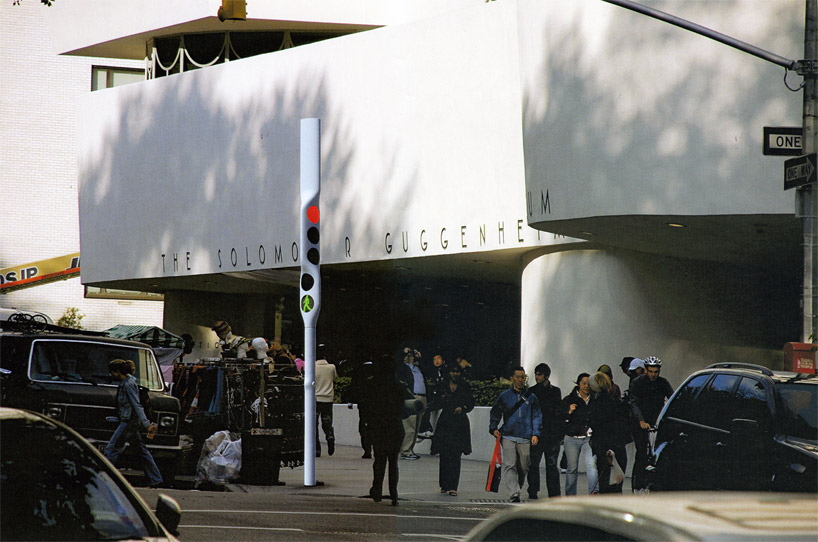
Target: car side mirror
[(169, 513)]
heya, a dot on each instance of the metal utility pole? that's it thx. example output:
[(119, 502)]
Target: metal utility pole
[(806, 198)]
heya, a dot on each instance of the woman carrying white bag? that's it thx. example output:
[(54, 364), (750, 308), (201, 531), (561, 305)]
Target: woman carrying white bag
[(607, 438)]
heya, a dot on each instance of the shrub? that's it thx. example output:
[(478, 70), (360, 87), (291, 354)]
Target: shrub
[(342, 389), (486, 391), (71, 318)]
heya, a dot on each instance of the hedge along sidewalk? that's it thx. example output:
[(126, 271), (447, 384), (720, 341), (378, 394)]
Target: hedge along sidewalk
[(484, 391)]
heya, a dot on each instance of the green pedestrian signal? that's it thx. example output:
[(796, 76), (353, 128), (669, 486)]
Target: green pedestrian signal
[(310, 246)]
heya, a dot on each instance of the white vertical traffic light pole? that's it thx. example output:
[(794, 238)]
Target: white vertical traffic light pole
[(310, 298)]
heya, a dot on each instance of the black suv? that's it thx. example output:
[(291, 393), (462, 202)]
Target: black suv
[(63, 374), (739, 427)]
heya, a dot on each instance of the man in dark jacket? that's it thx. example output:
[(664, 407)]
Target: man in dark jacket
[(522, 423), (648, 393), (553, 430)]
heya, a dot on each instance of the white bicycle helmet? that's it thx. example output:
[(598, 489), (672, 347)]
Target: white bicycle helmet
[(653, 361)]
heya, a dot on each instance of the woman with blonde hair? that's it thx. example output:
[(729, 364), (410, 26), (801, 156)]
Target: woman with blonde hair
[(607, 439)]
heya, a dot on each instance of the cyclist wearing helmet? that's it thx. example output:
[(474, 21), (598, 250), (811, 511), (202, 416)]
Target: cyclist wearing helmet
[(648, 393)]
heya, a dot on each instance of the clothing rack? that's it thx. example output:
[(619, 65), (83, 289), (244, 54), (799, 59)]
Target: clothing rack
[(230, 395)]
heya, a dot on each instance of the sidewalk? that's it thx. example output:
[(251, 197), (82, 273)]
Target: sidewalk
[(347, 474)]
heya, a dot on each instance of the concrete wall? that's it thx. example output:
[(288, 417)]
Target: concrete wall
[(627, 115), (689, 314), (345, 423)]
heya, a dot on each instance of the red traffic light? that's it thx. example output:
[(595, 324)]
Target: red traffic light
[(313, 214)]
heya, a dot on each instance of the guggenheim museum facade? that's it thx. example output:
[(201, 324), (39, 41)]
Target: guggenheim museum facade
[(513, 182)]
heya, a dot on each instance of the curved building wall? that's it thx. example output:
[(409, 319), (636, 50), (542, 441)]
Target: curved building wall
[(581, 308)]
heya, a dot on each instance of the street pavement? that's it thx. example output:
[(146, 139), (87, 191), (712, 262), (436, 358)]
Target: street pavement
[(339, 509), (346, 474)]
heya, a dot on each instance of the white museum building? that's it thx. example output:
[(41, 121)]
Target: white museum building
[(515, 181)]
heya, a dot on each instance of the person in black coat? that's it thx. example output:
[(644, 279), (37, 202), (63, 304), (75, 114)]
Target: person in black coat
[(577, 436), (607, 436), (553, 431), (452, 436), (382, 400)]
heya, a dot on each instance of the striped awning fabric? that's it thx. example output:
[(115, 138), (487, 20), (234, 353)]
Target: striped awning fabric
[(152, 335)]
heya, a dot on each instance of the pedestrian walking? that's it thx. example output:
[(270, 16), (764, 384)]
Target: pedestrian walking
[(381, 406), (553, 431), (325, 374), (452, 438), (412, 378), (577, 436), (607, 436), (522, 422), (362, 376), (648, 393), (436, 378), (132, 418)]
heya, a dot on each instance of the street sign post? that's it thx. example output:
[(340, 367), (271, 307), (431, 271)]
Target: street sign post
[(783, 141), (799, 171)]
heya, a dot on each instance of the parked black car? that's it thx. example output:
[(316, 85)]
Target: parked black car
[(55, 486), (740, 427), (64, 374)]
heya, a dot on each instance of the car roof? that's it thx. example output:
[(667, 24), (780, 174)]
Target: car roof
[(757, 370), (98, 338), (678, 515)]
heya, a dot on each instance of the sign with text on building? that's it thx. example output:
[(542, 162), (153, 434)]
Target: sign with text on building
[(783, 141), (799, 171), (40, 272)]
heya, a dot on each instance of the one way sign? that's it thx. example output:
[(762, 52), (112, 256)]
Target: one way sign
[(799, 171)]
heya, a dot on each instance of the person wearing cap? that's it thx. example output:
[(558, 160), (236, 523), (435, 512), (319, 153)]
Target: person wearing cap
[(232, 346), (325, 374), (648, 393), (553, 431), (635, 369)]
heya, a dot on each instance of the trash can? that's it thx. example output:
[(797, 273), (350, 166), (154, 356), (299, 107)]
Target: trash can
[(261, 456)]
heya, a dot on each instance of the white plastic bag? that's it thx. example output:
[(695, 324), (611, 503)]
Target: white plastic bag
[(220, 460), (617, 475)]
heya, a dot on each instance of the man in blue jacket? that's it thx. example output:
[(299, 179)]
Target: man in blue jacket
[(522, 422)]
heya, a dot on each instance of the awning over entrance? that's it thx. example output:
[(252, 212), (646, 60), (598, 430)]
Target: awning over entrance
[(151, 335), (166, 346), (41, 272)]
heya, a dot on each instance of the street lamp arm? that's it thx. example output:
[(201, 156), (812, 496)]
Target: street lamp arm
[(706, 32)]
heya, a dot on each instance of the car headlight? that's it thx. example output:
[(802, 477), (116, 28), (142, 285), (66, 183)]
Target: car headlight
[(167, 423)]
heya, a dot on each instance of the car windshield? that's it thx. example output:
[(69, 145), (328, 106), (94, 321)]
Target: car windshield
[(87, 361), (52, 487), (801, 409)]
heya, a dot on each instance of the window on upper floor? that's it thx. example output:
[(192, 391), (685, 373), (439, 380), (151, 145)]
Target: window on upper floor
[(107, 77)]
